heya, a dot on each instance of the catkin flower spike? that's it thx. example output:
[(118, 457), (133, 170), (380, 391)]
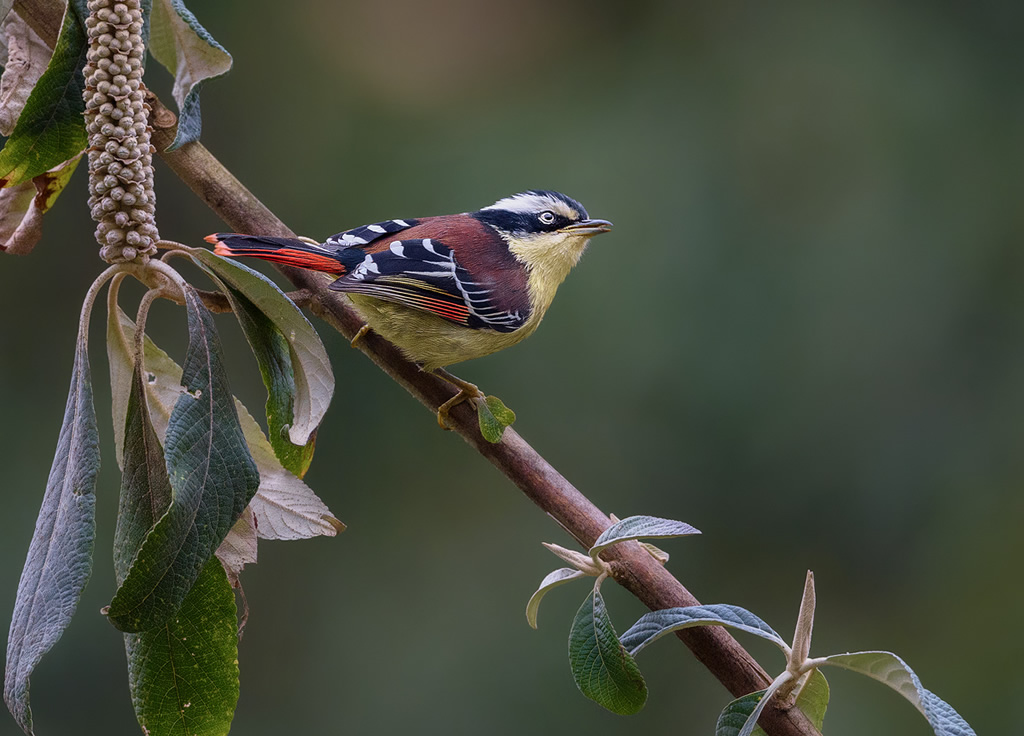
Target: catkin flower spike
[(121, 197)]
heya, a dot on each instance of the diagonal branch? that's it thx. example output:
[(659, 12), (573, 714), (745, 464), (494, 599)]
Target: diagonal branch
[(632, 566)]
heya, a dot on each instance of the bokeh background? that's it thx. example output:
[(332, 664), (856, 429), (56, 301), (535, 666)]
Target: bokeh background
[(805, 337)]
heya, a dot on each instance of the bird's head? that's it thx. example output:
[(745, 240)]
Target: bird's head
[(547, 231)]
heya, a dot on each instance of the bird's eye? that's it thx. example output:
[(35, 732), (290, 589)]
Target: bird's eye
[(546, 217)]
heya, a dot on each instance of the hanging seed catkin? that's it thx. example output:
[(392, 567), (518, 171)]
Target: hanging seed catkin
[(121, 196)]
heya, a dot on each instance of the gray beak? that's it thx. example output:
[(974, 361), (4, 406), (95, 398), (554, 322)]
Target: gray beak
[(587, 227)]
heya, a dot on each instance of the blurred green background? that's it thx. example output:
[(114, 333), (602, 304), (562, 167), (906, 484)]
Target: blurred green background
[(805, 337)]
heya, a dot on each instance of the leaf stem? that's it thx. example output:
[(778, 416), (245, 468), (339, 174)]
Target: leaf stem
[(90, 295), (140, 323)]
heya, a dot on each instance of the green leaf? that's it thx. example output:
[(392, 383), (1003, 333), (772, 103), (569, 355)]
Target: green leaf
[(59, 559), (812, 700), (188, 51), (652, 626), (494, 416), (298, 404), (145, 487), (22, 207), (641, 527), (274, 358), (890, 670), (213, 478), (603, 670), (184, 674), (553, 580), (51, 129)]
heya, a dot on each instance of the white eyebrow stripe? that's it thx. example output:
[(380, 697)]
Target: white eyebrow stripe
[(533, 204)]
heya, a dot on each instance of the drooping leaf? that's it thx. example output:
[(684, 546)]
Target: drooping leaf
[(812, 700), (145, 487), (22, 207), (122, 366), (59, 559), (213, 477), (51, 129), (313, 378), (603, 670), (890, 670), (641, 527), (284, 507), (494, 417), (184, 674), (274, 357), (188, 51), (27, 57), (552, 580), (652, 626)]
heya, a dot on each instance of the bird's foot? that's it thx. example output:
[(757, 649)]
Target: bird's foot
[(467, 392), (354, 342)]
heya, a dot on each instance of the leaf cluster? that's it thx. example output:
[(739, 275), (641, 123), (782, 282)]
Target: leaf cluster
[(201, 482), (605, 669)]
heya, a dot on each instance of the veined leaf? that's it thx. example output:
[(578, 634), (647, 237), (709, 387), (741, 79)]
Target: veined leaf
[(603, 670), (561, 576), (313, 378), (27, 57), (284, 507), (812, 700), (51, 129), (494, 417), (22, 207), (187, 51), (145, 487), (641, 527), (213, 477), (184, 674), (890, 670), (59, 559), (652, 626)]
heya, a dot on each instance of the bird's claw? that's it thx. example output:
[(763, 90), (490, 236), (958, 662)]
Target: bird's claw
[(354, 342), (467, 392)]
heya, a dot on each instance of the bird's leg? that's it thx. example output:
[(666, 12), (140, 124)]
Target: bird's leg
[(354, 342), (467, 392)]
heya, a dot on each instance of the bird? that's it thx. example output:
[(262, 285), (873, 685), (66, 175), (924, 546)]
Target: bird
[(449, 288)]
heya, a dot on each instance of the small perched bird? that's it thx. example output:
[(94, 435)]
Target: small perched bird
[(449, 288)]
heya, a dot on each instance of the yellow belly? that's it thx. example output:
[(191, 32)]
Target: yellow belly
[(432, 341)]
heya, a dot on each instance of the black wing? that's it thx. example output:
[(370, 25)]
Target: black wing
[(423, 274), (360, 236)]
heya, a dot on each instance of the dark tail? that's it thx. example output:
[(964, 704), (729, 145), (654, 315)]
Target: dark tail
[(289, 251)]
